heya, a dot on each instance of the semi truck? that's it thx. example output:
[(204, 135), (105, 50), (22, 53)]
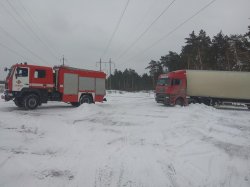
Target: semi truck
[(203, 86), (30, 85)]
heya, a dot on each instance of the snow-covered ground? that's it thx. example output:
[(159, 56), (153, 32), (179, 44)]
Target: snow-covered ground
[(128, 141)]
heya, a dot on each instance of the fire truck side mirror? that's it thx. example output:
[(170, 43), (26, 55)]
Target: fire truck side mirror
[(5, 69)]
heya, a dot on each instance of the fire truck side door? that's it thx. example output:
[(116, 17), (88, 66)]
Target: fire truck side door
[(20, 78), (70, 84)]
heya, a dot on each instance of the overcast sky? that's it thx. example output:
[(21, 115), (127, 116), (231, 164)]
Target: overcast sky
[(41, 32)]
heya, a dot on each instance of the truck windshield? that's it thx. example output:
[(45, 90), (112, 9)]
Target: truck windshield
[(163, 81), (22, 72)]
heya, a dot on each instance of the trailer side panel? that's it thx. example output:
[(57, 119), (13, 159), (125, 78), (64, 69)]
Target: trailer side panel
[(218, 84)]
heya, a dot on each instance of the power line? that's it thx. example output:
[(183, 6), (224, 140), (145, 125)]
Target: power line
[(14, 52), (16, 20), (36, 25), (176, 28), (146, 30), (116, 28), (23, 46), (31, 29), (139, 23)]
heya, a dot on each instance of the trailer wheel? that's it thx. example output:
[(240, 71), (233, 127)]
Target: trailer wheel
[(85, 99), (31, 102), (19, 102), (179, 102)]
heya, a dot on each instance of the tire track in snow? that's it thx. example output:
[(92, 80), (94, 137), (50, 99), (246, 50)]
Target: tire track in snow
[(121, 173), (5, 161), (169, 170), (104, 177)]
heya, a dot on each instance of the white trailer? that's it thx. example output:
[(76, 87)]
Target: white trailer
[(218, 84)]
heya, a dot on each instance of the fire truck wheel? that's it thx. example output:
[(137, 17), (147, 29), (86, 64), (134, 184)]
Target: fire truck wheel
[(85, 99), (19, 102), (31, 101), (75, 104), (179, 102)]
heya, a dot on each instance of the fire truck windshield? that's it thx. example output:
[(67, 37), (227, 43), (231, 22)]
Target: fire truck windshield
[(22, 72), (163, 81)]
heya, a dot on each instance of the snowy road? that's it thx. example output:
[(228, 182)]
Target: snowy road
[(128, 141)]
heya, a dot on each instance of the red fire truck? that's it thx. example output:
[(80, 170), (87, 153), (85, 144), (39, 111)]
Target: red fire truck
[(30, 85)]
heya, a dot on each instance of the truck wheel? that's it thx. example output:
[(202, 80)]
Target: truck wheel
[(31, 102), (19, 102), (75, 104), (85, 99), (179, 102), (248, 106)]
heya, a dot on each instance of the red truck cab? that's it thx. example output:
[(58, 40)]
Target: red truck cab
[(171, 88), (22, 77)]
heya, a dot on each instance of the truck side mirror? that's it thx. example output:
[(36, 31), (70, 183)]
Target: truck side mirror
[(5, 69)]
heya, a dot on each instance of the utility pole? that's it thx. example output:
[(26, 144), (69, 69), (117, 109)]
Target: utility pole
[(110, 70), (100, 62), (110, 73)]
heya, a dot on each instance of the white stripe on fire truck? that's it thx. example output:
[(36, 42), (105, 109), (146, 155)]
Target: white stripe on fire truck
[(42, 85), (61, 85), (50, 85)]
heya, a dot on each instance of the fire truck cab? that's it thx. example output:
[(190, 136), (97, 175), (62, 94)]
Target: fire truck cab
[(29, 85)]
